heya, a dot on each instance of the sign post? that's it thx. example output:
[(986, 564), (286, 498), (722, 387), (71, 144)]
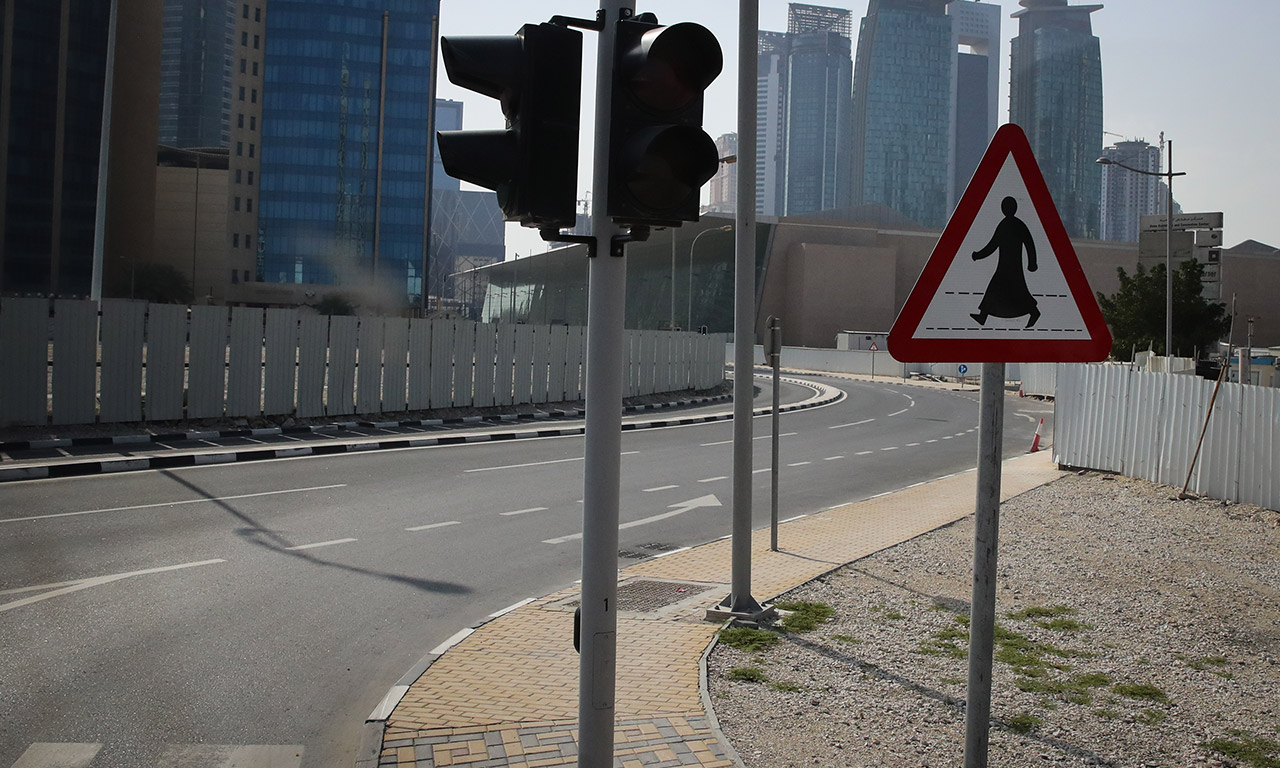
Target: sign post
[(1029, 304), (773, 355)]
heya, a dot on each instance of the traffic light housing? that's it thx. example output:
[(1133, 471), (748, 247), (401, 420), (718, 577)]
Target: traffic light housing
[(533, 165), (659, 156)]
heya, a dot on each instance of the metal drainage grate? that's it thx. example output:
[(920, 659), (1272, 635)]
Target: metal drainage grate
[(645, 596)]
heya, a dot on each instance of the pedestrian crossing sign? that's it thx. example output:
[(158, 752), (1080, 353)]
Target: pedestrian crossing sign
[(1003, 283)]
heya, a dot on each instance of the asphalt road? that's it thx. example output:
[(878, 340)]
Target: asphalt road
[(274, 603)]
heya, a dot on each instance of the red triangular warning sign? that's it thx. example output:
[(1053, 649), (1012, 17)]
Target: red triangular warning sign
[(1003, 284)]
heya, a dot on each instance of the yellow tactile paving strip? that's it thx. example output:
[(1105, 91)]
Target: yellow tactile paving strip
[(507, 695)]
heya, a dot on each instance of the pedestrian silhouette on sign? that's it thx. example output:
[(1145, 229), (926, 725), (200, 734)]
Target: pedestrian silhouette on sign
[(1007, 294)]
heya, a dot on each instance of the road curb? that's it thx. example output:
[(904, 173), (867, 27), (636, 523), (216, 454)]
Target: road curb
[(148, 437), (824, 395)]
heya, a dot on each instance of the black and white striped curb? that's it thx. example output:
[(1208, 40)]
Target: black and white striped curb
[(823, 395), (138, 439)]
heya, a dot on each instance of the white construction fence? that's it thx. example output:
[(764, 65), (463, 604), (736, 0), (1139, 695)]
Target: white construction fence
[(132, 361), (1140, 424)]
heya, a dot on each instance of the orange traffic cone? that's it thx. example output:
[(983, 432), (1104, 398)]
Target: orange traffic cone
[(1035, 441)]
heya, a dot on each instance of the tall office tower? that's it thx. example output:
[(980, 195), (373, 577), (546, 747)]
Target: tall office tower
[(77, 144), (819, 86), (724, 185), (771, 122), (1127, 196), (336, 149), (448, 118), (1055, 95), (975, 77), (195, 73), (902, 107)]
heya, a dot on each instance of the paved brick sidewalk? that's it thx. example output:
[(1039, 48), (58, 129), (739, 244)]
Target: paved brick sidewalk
[(507, 694)]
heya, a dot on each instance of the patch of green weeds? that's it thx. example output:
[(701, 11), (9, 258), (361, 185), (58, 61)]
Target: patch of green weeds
[(1212, 663), (747, 638), (1024, 722), (954, 680), (1144, 691), (747, 674), (804, 616), (1075, 690), (850, 639), (1151, 717), (1107, 714), (894, 615), (1256, 751), (787, 687)]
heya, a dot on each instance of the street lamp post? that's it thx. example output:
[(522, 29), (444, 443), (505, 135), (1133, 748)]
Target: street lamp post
[(688, 320), (1168, 239)]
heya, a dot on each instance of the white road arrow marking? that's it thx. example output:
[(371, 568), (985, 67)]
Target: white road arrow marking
[(709, 500)]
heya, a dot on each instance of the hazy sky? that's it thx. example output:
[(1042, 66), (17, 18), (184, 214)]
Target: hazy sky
[(1205, 73)]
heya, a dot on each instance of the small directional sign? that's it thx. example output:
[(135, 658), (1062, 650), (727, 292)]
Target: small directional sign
[(1003, 284)]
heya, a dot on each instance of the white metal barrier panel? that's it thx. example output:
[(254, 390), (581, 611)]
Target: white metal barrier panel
[(129, 361), (1148, 425)]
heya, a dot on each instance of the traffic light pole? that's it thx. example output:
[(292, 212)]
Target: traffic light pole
[(740, 599), (607, 293)]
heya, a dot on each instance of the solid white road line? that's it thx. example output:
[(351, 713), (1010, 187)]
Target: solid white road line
[(523, 511), (713, 479), (799, 463), (98, 581), (320, 544), (175, 503), (895, 413), (762, 469), (535, 463), (45, 755), (659, 488), (434, 525)]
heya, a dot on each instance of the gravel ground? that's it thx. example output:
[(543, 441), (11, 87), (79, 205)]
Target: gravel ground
[(1138, 631)]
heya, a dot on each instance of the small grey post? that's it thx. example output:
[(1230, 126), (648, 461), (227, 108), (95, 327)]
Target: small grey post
[(982, 612), (775, 359), (744, 313), (597, 665)]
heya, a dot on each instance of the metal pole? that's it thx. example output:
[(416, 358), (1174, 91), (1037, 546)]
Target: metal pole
[(775, 332), (607, 284), (1168, 261), (425, 283), (982, 615), (744, 297)]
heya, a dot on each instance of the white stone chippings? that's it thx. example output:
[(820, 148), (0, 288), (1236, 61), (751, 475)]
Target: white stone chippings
[(1180, 595)]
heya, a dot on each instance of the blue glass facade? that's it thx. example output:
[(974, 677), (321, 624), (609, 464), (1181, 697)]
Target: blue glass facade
[(1055, 95), (820, 74), (325, 109), (901, 114)]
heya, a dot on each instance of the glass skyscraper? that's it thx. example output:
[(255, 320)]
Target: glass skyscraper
[(195, 73), (902, 92), (819, 84), (1128, 196), (342, 185), (1055, 95)]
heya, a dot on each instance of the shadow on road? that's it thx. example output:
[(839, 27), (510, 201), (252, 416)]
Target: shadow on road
[(259, 534)]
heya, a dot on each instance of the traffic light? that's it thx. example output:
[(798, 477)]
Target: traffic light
[(533, 164), (659, 156)]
